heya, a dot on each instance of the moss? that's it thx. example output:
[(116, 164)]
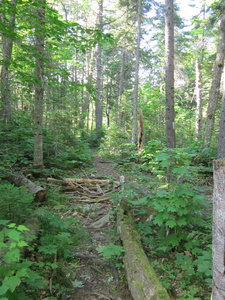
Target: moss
[(142, 279)]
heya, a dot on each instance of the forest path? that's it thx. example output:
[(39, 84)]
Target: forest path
[(98, 279)]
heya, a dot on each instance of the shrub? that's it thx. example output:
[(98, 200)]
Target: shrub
[(16, 203)]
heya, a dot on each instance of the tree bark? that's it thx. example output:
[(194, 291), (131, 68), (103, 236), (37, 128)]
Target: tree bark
[(98, 103), (140, 132), (218, 287), (216, 80), (198, 88), (7, 46), (169, 60), (39, 87), (136, 82), (221, 139), (40, 194), (142, 280), (121, 88)]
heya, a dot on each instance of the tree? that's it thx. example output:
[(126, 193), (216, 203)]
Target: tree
[(8, 23), (218, 292), (198, 90), (169, 60), (98, 103), (136, 82), (216, 80), (39, 86), (221, 138)]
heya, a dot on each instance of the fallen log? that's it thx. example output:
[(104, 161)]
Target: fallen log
[(142, 279), (40, 194)]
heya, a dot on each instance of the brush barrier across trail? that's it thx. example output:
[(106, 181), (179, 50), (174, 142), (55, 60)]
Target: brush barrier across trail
[(142, 281)]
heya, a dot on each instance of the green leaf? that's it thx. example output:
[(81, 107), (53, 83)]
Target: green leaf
[(22, 273), (3, 289), (12, 225), (171, 223), (14, 235), (13, 255), (11, 282), (22, 228), (180, 170)]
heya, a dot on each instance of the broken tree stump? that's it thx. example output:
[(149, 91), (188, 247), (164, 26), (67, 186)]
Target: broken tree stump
[(142, 279), (40, 194)]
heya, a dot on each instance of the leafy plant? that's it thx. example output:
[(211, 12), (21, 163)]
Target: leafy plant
[(16, 203), (15, 271), (112, 252)]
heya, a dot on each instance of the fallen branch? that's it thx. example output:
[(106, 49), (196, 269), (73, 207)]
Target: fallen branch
[(142, 280), (40, 194)]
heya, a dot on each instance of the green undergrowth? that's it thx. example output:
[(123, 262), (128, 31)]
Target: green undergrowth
[(37, 245), (169, 203)]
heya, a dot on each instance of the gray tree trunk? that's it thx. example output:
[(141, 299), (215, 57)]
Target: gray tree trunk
[(136, 82), (98, 103), (169, 60), (39, 87), (120, 92), (216, 80), (221, 139), (218, 286), (7, 46), (198, 88)]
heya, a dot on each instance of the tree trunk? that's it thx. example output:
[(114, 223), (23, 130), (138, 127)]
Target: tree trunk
[(215, 86), (120, 92), (218, 287), (136, 82), (198, 89), (140, 132), (7, 46), (39, 87), (98, 103), (221, 139), (40, 194), (142, 280), (169, 60)]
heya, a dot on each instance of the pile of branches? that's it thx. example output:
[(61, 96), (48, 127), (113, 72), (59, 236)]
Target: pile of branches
[(87, 190)]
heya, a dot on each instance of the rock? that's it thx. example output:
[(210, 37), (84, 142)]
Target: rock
[(101, 222)]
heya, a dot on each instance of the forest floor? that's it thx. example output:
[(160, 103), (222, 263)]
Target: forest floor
[(95, 277)]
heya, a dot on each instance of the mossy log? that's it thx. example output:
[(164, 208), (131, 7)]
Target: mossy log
[(40, 194), (142, 279)]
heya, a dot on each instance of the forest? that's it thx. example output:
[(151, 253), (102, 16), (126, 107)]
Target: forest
[(112, 146)]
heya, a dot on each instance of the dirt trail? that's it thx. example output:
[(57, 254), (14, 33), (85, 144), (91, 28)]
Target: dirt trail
[(96, 278)]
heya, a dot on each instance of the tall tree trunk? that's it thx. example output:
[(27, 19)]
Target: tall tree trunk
[(198, 89), (120, 92), (39, 87), (218, 286), (169, 60), (221, 139), (98, 103), (136, 82), (216, 80), (7, 46)]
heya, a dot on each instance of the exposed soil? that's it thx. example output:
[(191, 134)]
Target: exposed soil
[(99, 279)]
